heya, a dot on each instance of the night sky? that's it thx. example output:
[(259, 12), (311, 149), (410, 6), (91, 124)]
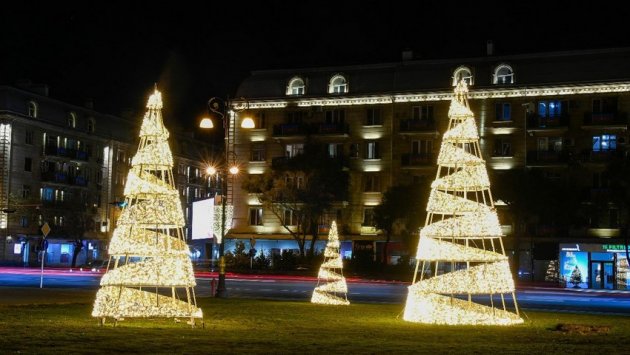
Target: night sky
[(114, 53)]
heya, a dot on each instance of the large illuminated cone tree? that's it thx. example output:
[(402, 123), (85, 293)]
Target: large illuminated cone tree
[(149, 273), (460, 252), (331, 285)]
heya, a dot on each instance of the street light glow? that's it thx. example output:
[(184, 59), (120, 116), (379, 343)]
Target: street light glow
[(206, 123), (211, 170), (248, 123), (234, 170)]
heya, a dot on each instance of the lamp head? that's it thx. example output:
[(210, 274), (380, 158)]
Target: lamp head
[(206, 123)]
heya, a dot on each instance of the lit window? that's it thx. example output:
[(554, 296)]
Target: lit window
[(48, 194), (604, 143), (552, 108), (255, 216), (338, 85), (296, 86), (292, 150), (32, 109), (335, 150), (372, 150), (462, 73), (503, 74)]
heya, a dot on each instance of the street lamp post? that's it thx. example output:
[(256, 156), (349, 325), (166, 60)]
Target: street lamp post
[(221, 109)]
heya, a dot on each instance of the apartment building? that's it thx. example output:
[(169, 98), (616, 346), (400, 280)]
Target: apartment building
[(547, 112), (66, 165)]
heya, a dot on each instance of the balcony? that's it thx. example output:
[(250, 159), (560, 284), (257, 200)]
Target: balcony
[(411, 126), (547, 158), (416, 160), (619, 119), (537, 122), (55, 151), (56, 177), (330, 128), (78, 181), (289, 130)]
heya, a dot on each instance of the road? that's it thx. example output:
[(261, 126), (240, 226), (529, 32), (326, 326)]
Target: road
[(300, 288)]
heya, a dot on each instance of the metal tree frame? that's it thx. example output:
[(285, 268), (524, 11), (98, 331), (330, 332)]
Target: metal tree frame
[(460, 252)]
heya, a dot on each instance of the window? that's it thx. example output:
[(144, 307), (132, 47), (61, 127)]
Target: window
[(28, 138), (422, 147), (259, 120), (372, 150), (503, 112), (462, 73), (255, 216), (292, 150), (605, 143), (373, 117), (502, 147), (424, 112), (550, 144), (368, 217), (338, 85), (335, 150), (295, 117), (48, 194), (503, 74), (372, 183), (32, 109), (23, 221), (335, 116), (551, 108), (296, 86), (72, 120), (26, 191), (28, 164), (290, 217), (120, 156), (354, 150), (258, 152), (91, 123), (605, 105)]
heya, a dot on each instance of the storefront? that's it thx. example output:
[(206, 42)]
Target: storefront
[(595, 266)]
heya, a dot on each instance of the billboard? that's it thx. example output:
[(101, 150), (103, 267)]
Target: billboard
[(202, 219)]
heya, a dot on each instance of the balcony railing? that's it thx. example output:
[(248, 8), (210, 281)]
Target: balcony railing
[(411, 125), (606, 119), (543, 157), (329, 128), (410, 160), (535, 121), (57, 177), (289, 129)]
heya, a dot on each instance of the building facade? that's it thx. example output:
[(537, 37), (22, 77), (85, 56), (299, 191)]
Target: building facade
[(66, 165), (563, 115)]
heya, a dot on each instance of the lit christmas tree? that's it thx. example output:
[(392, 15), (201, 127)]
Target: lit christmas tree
[(552, 272), (460, 252), (149, 273), (331, 285)]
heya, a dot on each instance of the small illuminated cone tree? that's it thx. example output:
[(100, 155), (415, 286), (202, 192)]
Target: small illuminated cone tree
[(331, 285), (460, 252), (149, 273)]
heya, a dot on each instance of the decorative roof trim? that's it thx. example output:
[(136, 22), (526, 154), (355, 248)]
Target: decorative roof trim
[(551, 90)]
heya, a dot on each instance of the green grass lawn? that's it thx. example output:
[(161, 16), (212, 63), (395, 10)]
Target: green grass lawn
[(255, 326)]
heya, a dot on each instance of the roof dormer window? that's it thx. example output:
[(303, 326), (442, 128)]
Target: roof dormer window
[(32, 109), (338, 85), (296, 86), (72, 120), (462, 73), (503, 74)]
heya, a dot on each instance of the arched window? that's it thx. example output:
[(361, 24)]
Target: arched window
[(296, 86), (338, 85), (91, 123), (32, 109), (462, 73), (503, 74), (72, 120)]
